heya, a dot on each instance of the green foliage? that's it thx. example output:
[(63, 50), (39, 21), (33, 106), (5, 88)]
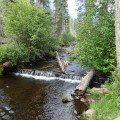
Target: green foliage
[(30, 25), (116, 74), (107, 107), (1, 72), (96, 36), (12, 53), (66, 38)]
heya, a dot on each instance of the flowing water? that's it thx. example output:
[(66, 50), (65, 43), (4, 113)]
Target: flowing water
[(35, 92)]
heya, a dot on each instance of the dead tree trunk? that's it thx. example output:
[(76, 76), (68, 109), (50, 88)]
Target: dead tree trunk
[(60, 62), (117, 30), (81, 88)]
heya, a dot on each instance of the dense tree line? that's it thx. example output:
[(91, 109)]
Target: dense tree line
[(33, 25), (96, 35)]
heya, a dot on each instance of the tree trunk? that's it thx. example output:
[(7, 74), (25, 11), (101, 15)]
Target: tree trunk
[(117, 30), (39, 3), (32, 2), (11, 0), (82, 87), (1, 27)]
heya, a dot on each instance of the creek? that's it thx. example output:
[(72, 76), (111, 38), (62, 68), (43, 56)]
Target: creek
[(35, 92)]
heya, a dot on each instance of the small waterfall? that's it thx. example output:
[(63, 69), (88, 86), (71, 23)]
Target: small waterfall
[(72, 77), (44, 75)]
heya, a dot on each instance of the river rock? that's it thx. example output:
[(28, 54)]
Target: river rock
[(65, 100), (82, 100), (100, 90), (73, 93), (78, 117), (2, 113), (75, 112), (102, 86), (6, 117), (89, 112), (118, 118)]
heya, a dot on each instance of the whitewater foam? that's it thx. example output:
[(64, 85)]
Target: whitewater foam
[(36, 77)]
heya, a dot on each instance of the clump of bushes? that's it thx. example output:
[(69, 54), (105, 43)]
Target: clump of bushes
[(96, 36), (66, 38), (9, 52), (29, 25)]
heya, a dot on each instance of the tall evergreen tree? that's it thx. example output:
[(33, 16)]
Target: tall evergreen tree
[(61, 16)]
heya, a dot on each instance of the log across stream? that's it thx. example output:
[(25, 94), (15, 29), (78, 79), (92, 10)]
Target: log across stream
[(36, 91)]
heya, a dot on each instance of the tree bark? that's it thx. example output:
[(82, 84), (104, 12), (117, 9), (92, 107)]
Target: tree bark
[(39, 3), (117, 30), (1, 27)]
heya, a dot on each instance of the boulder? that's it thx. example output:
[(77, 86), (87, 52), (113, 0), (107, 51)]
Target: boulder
[(100, 90), (89, 112)]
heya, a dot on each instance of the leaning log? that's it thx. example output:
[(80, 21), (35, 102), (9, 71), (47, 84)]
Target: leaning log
[(60, 62), (46, 54), (82, 87), (43, 53)]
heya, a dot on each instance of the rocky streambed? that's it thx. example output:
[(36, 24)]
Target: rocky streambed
[(37, 95)]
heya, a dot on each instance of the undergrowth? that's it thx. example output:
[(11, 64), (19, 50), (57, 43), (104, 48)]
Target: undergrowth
[(107, 106)]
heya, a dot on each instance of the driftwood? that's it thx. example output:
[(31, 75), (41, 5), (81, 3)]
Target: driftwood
[(81, 88), (62, 66), (65, 63)]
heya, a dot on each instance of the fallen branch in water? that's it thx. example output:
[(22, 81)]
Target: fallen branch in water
[(65, 63), (62, 66), (81, 88)]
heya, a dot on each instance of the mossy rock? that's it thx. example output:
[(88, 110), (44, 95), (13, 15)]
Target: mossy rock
[(65, 99)]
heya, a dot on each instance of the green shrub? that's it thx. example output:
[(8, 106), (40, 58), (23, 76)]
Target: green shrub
[(96, 37), (66, 38), (11, 52), (107, 107), (30, 25)]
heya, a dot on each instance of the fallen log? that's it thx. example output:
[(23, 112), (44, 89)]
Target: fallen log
[(65, 63), (81, 88), (60, 62), (43, 53)]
